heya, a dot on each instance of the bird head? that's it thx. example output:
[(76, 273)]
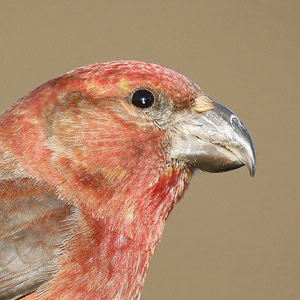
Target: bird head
[(109, 127), (129, 107)]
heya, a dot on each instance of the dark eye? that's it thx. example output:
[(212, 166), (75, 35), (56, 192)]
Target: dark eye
[(142, 99)]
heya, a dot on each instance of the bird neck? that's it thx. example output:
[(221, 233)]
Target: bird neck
[(114, 252)]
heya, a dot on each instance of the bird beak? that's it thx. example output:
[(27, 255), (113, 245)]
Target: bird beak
[(212, 138)]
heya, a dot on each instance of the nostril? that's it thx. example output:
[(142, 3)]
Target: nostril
[(236, 124)]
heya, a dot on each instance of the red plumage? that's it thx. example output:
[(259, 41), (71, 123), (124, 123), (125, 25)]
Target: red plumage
[(88, 179)]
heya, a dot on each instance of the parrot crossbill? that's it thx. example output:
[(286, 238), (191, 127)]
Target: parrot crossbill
[(91, 164)]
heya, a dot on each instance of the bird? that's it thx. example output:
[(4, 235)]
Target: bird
[(91, 164)]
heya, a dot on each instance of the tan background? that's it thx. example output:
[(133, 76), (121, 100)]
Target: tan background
[(231, 237)]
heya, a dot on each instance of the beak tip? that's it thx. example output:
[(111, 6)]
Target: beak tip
[(251, 165), (247, 155), (252, 172)]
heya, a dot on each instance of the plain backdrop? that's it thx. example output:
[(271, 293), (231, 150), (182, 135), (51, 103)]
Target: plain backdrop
[(231, 237)]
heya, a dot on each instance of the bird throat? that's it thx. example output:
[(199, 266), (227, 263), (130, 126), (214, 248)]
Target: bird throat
[(127, 242), (114, 252)]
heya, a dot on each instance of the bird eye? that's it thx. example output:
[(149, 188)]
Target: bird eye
[(142, 99)]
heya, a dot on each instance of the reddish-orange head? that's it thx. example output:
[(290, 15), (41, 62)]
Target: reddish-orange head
[(120, 127)]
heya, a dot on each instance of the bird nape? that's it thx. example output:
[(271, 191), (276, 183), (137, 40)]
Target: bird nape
[(92, 163)]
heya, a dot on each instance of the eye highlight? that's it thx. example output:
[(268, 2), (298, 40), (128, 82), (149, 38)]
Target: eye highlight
[(142, 98)]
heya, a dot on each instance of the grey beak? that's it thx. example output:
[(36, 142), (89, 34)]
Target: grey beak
[(214, 141)]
